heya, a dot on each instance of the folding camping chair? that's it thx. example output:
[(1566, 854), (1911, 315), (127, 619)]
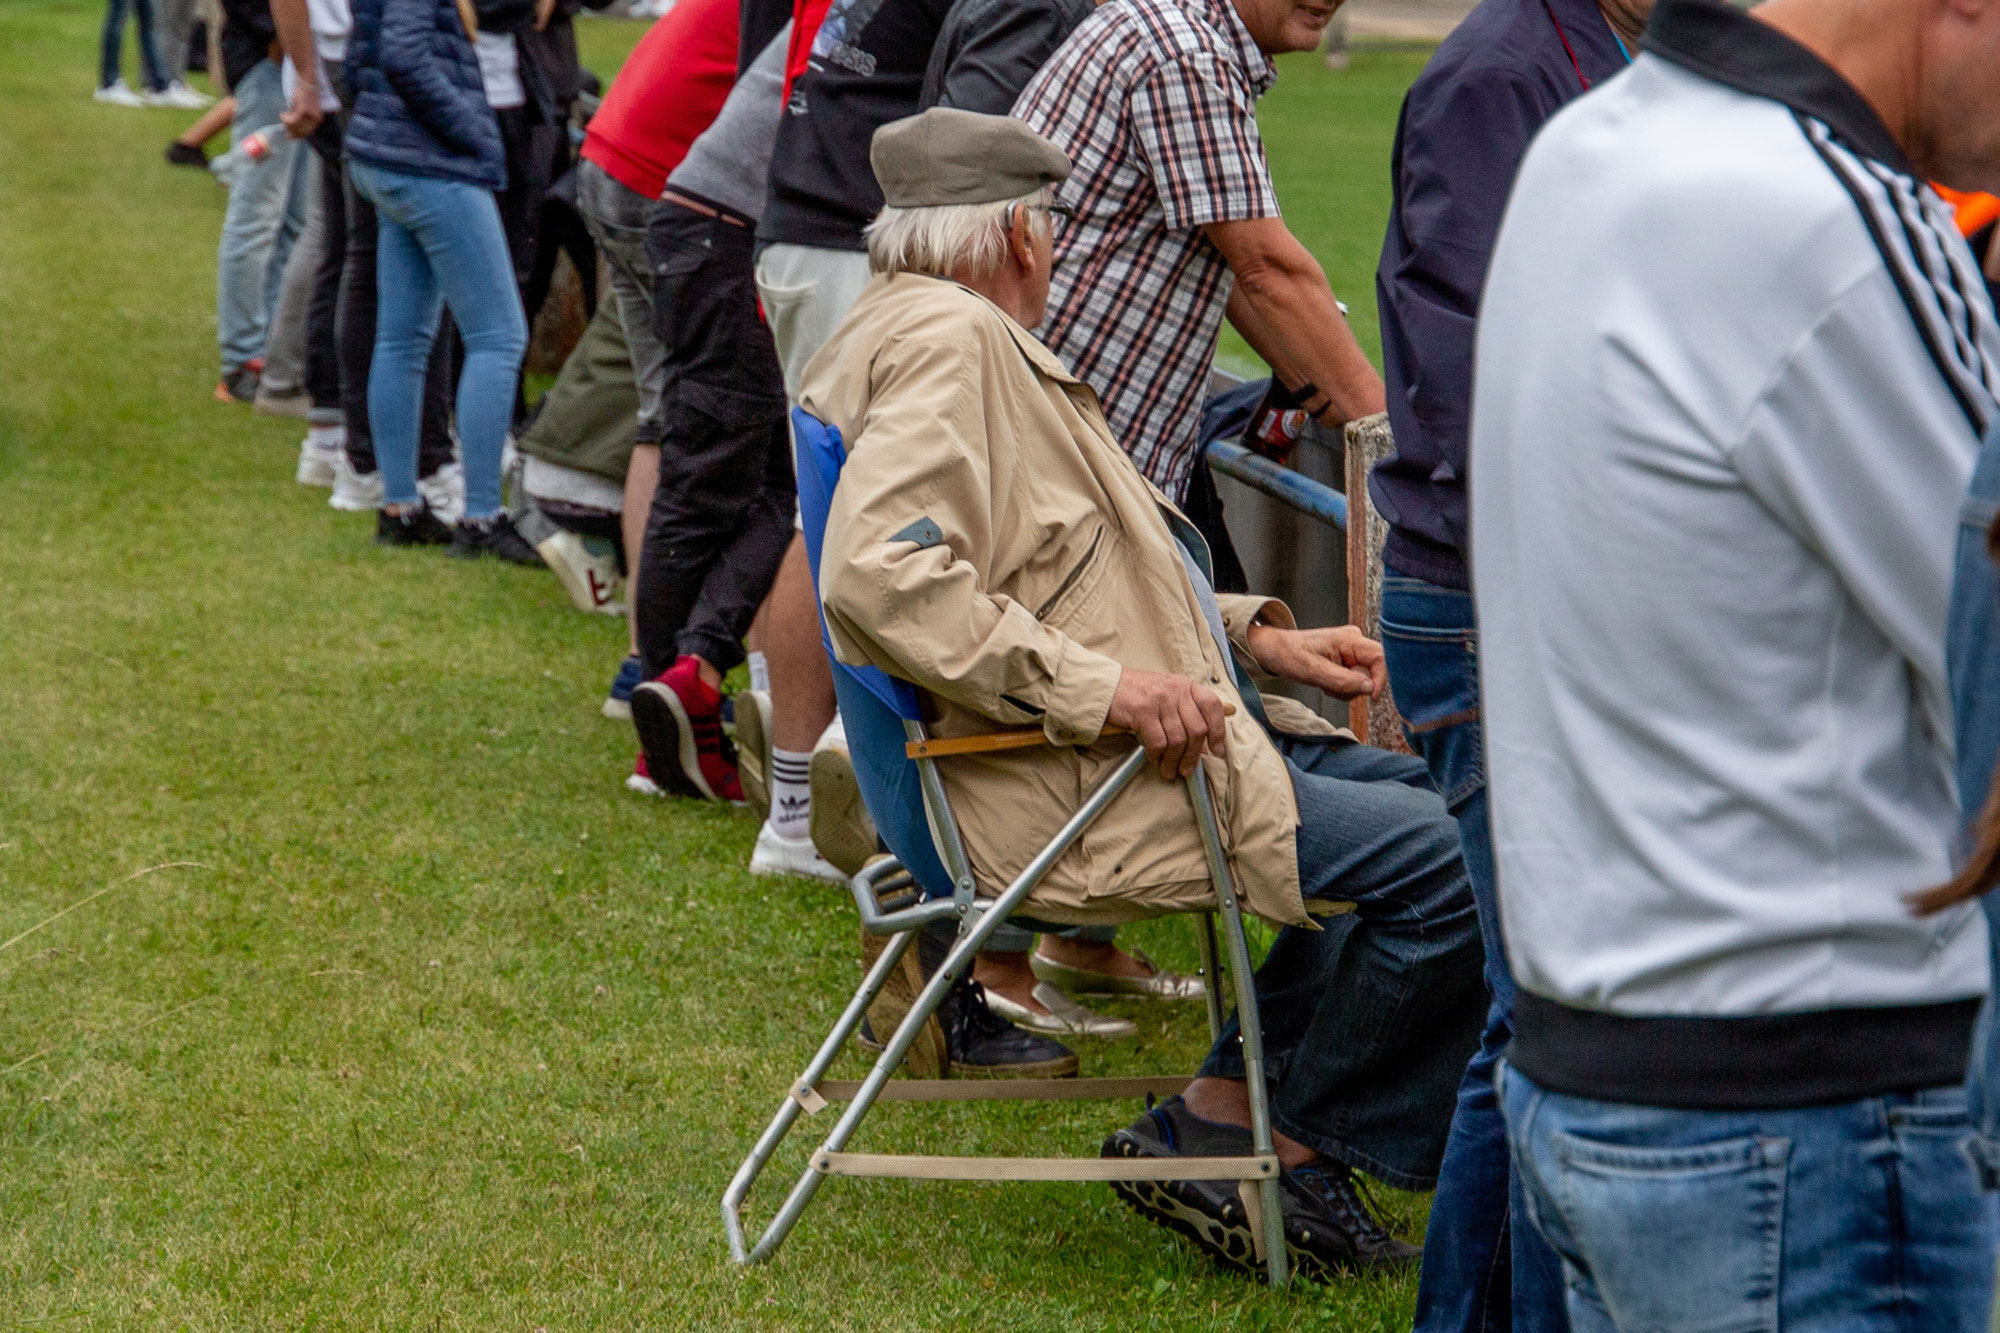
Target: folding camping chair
[(927, 878)]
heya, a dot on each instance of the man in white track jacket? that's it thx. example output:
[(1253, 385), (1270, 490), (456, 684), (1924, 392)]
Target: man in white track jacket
[(1733, 366)]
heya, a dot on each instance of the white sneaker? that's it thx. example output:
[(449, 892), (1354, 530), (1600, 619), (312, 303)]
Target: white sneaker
[(117, 94), (776, 855), (316, 465), (587, 568), (354, 492), (841, 828), (181, 97), (444, 491)]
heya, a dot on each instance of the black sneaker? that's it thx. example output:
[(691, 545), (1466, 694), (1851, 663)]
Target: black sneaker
[(238, 385), (472, 538), (186, 155), (981, 1044), (413, 527), (1210, 1213), (1329, 1228)]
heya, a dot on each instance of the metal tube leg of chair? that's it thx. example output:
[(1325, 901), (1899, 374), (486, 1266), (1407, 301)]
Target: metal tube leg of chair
[(1211, 975), (933, 993), (1249, 1023), (789, 1110)]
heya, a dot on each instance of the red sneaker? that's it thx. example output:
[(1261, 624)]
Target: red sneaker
[(679, 719), (641, 780)]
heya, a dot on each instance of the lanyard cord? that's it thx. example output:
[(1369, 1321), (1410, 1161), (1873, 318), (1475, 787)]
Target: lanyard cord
[(1570, 51)]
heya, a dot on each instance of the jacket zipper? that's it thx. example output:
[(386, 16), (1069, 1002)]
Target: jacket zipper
[(1069, 579)]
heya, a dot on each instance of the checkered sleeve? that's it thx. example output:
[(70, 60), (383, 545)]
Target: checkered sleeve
[(1196, 127)]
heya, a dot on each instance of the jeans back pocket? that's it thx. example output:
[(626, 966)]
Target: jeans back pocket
[(1679, 1240)]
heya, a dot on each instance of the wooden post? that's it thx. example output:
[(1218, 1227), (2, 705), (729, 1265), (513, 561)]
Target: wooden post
[(1368, 442)]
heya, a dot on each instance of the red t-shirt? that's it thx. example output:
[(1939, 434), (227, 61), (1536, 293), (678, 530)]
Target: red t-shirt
[(671, 87)]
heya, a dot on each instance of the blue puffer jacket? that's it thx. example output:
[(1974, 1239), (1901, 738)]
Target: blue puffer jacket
[(419, 105)]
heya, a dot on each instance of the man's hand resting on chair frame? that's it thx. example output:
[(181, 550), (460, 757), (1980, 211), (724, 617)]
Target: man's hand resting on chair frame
[(1178, 720), (1175, 719)]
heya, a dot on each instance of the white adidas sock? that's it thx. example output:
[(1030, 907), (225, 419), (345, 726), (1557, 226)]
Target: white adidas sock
[(791, 793), (760, 672), (326, 437)]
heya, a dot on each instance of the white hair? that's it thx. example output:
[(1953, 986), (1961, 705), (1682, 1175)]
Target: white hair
[(949, 238)]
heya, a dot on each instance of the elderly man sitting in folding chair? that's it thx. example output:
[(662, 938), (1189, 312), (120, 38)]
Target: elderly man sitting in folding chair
[(991, 542)]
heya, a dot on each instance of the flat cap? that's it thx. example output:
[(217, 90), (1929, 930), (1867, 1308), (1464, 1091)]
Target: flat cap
[(947, 156)]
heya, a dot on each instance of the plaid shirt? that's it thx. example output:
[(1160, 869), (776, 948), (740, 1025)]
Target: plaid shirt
[(1155, 102)]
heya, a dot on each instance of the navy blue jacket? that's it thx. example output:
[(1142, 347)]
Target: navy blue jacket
[(1465, 126), (420, 105)]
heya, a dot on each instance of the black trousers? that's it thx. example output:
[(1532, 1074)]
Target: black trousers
[(322, 313), (722, 516)]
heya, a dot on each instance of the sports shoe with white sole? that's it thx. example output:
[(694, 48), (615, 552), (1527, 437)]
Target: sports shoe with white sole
[(841, 828), (779, 855), (618, 703), (587, 568), (641, 779), (444, 491), (753, 749), (117, 93), (180, 97), (679, 721), (317, 452), (354, 492)]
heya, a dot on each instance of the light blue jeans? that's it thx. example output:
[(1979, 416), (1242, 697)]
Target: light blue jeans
[(1972, 649), (267, 208), (1849, 1218), (440, 241)]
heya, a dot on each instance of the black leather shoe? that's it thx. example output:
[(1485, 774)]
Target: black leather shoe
[(496, 536), (1329, 1228), (1209, 1213), (413, 527), (981, 1044)]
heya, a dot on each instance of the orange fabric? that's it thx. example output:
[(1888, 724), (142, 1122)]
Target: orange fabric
[(1975, 212)]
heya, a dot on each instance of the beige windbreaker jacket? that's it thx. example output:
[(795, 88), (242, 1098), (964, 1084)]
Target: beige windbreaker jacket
[(990, 542)]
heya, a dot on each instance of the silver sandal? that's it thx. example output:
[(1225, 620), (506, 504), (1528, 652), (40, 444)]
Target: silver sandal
[(1065, 1017), (1077, 981)]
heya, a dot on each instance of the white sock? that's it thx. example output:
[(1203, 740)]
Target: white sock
[(791, 793), (760, 672), (326, 437)]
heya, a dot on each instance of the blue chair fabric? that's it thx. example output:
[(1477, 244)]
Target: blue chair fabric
[(873, 704)]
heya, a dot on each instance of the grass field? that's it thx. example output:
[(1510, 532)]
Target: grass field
[(395, 1010)]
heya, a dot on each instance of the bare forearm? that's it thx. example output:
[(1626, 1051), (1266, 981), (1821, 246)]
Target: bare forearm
[(1308, 337), (1248, 320), (295, 37)]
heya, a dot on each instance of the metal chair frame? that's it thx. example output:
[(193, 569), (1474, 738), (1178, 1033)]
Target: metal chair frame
[(1256, 1174)]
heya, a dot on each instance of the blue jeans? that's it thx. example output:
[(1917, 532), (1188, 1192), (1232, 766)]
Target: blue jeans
[(1972, 651), (266, 211), (440, 241), (114, 38), (1368, 1022), (1861, 1216), (1480, 1272)]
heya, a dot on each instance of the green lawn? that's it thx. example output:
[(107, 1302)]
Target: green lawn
[(396, 1011)]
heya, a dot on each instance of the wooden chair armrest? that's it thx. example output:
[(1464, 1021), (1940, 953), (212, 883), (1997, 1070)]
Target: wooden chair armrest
[(1017, 738)]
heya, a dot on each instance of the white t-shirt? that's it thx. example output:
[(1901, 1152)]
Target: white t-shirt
[(500, 68)]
